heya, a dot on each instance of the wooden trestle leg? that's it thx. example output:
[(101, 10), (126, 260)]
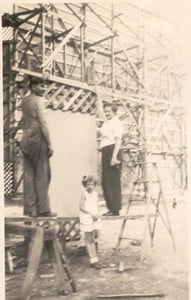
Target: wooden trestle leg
[(65, 266), (57, 265), (34, 260)]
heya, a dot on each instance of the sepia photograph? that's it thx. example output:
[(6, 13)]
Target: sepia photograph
[(95, 149)]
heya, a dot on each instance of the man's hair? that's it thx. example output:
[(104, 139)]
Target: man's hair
[(88, 179), (35, 80), (113, 107)]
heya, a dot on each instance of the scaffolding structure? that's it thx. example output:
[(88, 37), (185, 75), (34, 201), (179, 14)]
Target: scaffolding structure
[(93, 53)]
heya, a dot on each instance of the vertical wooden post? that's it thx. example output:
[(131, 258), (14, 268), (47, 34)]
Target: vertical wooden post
[(144, 153), (112, 50), (43, 39), (52, 44), (64, 60), (34, 260), (185, 167), (82, 37)]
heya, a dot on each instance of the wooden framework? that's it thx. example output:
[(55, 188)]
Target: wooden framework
[(42, 237), (108, 52)]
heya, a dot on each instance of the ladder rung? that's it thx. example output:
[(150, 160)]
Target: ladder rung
[(132, 217), (131, 239), (139, 181), (136, 199)]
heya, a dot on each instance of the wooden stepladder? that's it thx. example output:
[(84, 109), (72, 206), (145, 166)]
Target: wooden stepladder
[(42, 238), (148, 190)]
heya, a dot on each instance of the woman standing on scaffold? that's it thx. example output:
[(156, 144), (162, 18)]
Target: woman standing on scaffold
[(111, 135)]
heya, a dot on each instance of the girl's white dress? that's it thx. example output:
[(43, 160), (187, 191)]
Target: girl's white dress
[(87, 224)]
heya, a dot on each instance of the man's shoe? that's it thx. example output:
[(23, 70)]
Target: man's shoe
[(33, 214), (107, 214), (111, 213), (115, 213), (48, 214)]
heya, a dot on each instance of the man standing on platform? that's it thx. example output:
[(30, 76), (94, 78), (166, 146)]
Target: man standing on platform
[(37, 149)]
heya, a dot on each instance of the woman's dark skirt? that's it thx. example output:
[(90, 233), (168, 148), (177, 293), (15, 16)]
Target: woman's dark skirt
[(111, 183)]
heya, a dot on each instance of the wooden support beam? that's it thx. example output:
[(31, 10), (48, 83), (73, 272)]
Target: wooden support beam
[(122, 65), (29, 47), (57, 265), (78, 16), (59, 47), (131, 296), (14, 21), (43, 44), (159, 43), (9, 258), (27, 230), (130, 61), (178, 120), (74, 66), (153, 78), (100, 41), (157, 132), (158, 57), (100, 18), (136, 98), (59, 70), (34, 260), (56, 79), (127, 49), (57, 246), (132, 98), (126, 26), (27, 34), (20, 229), (82, 37), (179, 163), (54, 36), (36, 220), (167, 222), (29, 42), (112, 51)]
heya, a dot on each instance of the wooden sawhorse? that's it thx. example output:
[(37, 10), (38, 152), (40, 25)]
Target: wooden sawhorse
[(41, 238)]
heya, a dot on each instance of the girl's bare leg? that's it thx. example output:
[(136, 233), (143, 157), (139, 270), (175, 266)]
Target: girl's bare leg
[(90, 246)]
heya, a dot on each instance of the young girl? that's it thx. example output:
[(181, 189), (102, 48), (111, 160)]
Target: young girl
[(90, 221)]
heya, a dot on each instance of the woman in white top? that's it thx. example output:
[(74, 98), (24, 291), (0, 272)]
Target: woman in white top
[(111, 135)]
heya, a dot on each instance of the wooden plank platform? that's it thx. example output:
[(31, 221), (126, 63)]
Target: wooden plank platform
[(27, 230)]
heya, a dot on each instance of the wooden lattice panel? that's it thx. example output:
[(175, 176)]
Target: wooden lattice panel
[(69, 229), (8, 178), (69, 98)]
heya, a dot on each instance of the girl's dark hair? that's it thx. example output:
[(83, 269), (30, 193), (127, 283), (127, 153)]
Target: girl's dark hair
[(89, 179), (113, 107)]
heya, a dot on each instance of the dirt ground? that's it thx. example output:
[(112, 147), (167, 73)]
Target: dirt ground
[(157, 270)]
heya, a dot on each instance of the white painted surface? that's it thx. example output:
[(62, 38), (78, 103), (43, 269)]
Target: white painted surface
[(73, 137)]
